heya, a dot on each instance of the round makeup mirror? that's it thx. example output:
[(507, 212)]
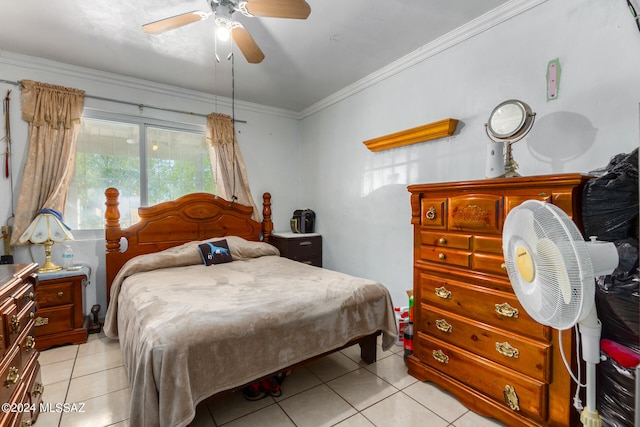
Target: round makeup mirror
[(509, 122)]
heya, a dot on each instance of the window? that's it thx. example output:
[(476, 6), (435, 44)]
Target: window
[(148, 162)]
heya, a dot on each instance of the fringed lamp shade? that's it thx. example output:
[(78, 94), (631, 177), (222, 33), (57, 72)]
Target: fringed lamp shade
[(47, 229)]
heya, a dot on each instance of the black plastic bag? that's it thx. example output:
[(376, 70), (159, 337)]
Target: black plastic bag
[(610, 201), (616, 392)]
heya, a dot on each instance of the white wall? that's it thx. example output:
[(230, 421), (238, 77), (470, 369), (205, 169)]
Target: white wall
[(360, 197), (266, 140)]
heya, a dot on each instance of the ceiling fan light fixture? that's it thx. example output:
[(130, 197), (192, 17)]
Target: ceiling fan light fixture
[(223, 33), (223, 27)]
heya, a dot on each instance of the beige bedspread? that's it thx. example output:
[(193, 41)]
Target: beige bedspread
[(188, 331)]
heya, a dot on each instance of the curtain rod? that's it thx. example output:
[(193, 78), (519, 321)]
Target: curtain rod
[(140, 106)]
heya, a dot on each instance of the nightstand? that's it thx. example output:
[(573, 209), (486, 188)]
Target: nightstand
[(60, 316), (305, 248)]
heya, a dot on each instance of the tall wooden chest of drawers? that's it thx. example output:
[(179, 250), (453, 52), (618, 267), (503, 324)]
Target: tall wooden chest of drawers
[(471, 335), (21, 388)]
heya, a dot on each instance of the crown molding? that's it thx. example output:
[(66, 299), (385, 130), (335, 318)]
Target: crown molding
[(44, 65), (479, 25)]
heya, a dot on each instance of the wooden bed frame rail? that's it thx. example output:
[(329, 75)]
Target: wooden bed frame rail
[(196, 216)]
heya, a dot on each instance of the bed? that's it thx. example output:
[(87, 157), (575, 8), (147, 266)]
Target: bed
[(189, 331)]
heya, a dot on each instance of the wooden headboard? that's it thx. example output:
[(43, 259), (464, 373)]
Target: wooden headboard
[(196, 216)]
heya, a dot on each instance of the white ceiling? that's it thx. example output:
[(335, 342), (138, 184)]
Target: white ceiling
[(341, 42)]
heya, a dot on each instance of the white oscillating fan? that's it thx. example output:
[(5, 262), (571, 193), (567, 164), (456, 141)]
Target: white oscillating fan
[(552, 271)]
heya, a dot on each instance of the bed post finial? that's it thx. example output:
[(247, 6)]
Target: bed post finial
[(267, 225), (112, 216)]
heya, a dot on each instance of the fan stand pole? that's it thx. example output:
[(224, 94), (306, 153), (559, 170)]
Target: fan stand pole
[(590, 331), (589, 417)]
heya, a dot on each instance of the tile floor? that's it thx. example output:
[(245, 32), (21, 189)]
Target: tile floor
[(337, 390)]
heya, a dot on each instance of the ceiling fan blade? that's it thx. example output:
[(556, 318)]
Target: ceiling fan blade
[(246, 44), (293, 9), (159, 27)]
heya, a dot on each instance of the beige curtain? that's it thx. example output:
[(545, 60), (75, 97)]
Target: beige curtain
[(53, 113), (227, 162)]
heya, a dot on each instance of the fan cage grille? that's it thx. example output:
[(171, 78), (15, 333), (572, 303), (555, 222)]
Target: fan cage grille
[(563, 289)]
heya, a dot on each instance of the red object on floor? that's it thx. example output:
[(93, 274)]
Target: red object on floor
[(624, 356)]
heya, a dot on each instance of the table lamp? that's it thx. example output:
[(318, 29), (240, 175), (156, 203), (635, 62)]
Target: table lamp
[(46, 229)]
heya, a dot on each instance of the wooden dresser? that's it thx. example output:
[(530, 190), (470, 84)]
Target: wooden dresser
[(305, 248), (471, 336), (61, 318), (21, 389)]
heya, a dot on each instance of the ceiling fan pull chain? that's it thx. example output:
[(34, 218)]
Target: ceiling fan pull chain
[(215, 49)]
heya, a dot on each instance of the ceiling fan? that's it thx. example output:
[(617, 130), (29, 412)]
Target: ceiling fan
[(222, 11)]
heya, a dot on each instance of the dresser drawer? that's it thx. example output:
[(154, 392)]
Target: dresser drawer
[(519, 393), (15, 322), (487, 244), (10, 374), (445, 256), (480, 213), (35, 388), (54, 319), (6, 307), (22, 320), (433, 213), (10, 321), (54, 294), (490, 306), (27, 343), (511, 201), (446, 240), (524, 355), (489, 263), (25, 295)]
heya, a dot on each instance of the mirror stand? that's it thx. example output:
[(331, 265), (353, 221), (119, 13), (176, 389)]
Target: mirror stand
[(510, 165)]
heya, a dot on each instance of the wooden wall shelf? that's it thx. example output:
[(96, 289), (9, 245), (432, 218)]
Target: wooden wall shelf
[(423, 133)]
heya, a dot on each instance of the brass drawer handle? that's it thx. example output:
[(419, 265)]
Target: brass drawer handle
[(431, 213), (13, 377), (30, 344), (443, 293), (442, 241), (32, 315), (444, 326), (511, 398), (506, 310), (60, 294), (41, 321), (507, 349), (503, 266), (38, 389), (15, 324), (31, 296), (442, 256), (440, 356), (26, 423)]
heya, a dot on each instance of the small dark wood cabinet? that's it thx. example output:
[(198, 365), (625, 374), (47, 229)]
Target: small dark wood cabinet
[(305, 248), (61, 318)]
